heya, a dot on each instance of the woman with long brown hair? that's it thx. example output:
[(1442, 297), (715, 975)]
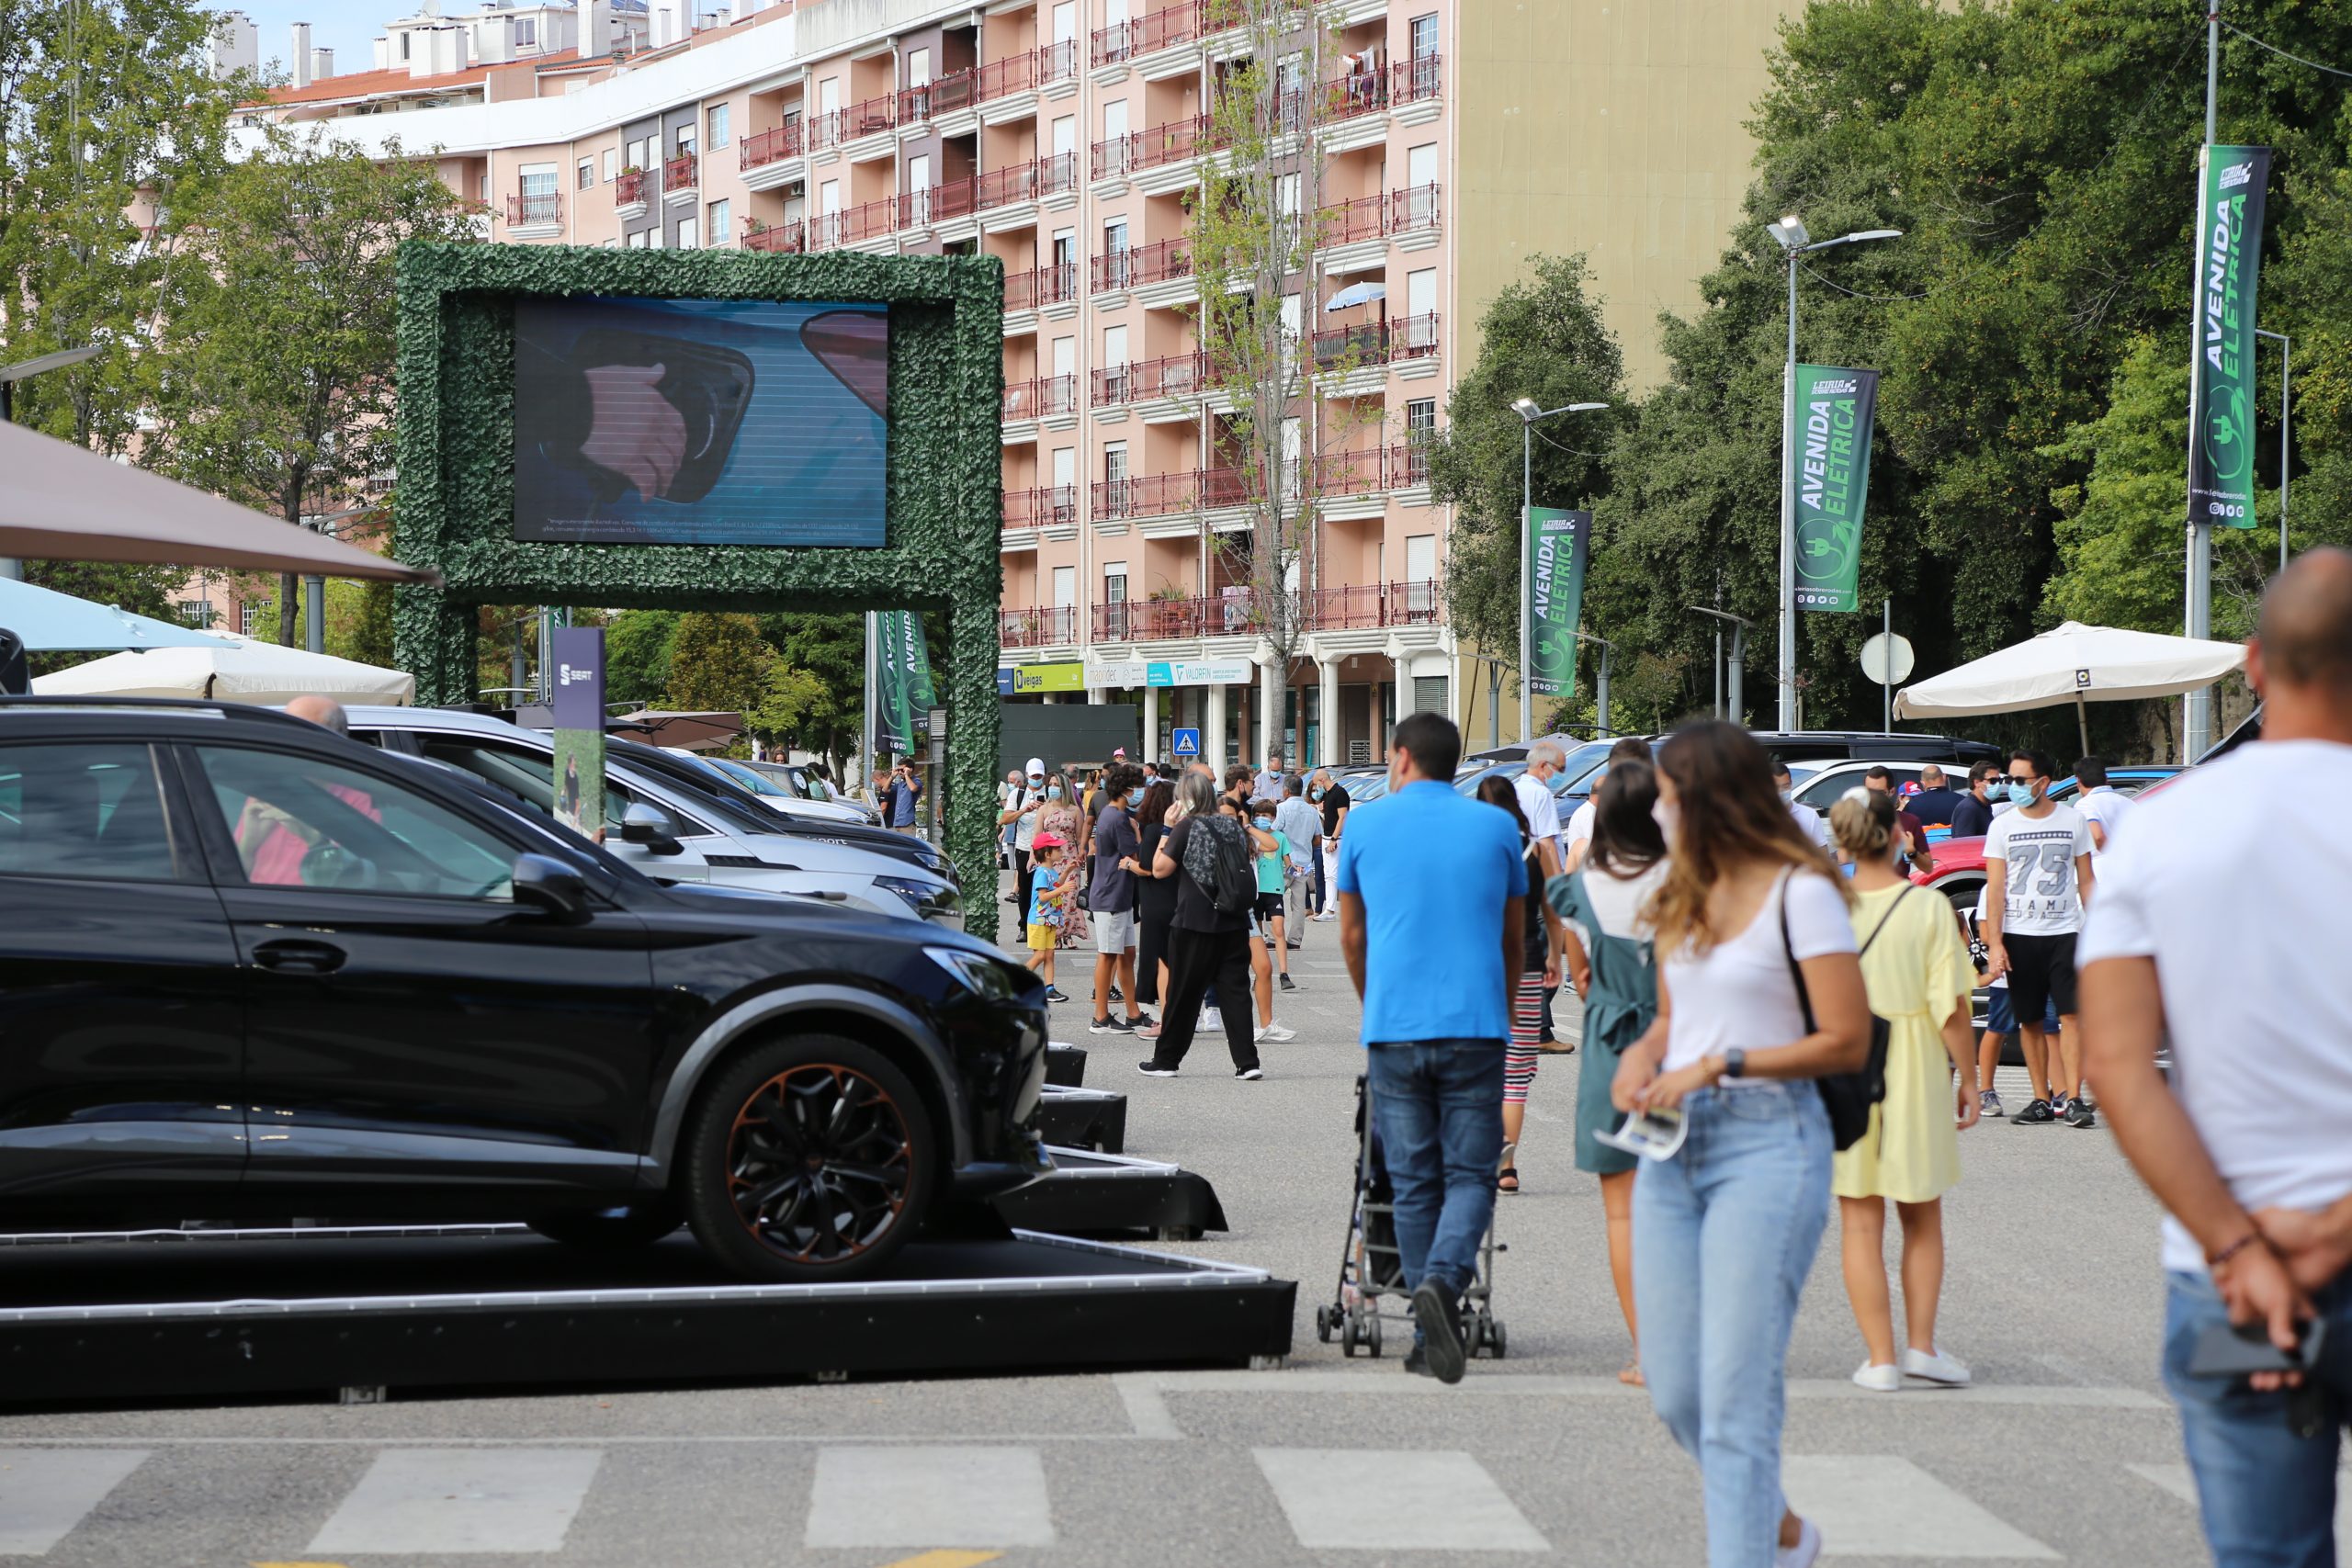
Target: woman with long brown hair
[(1759, 994)]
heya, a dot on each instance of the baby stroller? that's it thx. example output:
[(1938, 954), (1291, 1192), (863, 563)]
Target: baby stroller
[(1371, 1268)]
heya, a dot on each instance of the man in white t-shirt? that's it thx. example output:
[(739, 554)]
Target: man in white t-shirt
[(2037, 882), (1808, 820), (1577, 841), (2223, 925), (2102, 805)]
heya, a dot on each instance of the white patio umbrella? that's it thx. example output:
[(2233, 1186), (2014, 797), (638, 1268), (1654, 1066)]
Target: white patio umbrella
[(239, 671), (50, 622), (2074, 664)]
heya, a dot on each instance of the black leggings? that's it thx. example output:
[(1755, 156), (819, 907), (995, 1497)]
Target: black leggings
[(1151, 947), (1195, 958)]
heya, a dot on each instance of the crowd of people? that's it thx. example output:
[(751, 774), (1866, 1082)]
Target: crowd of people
[(1774, 1014)]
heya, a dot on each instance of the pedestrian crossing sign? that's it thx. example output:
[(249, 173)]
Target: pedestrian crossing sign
[(1184, 743)]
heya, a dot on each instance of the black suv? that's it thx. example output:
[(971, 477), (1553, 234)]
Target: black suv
[(249, 968)]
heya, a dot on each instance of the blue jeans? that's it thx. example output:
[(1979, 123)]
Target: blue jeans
[(1724, 1236), (1439, 1104), (2268, 1497)]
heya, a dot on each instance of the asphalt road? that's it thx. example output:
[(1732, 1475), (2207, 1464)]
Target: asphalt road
[(2064, 1449)]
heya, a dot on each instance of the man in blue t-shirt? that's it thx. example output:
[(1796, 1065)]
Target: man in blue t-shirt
[(1432, 913)]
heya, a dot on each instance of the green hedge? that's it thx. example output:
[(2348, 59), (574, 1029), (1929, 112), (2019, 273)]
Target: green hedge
[(454, 505)]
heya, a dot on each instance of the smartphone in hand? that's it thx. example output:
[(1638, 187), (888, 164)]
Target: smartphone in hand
[(2239, 1351)]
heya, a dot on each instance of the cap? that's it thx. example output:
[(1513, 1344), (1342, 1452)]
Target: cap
[(1049, 842), (1118, 750)]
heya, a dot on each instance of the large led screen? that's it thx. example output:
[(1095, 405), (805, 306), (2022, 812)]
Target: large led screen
[(700, 421)]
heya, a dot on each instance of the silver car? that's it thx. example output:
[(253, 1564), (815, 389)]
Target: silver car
[(666, 831), (774, 794)]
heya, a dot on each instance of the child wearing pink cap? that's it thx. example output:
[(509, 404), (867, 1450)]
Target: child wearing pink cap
[(1047, 896)]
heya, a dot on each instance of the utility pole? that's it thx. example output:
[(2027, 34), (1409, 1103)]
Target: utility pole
[(2286, 378), (2197, 726)]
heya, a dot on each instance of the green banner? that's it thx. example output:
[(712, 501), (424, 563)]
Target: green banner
[(2220, 381), (1557, 542), (906, 697), (1829, 472)]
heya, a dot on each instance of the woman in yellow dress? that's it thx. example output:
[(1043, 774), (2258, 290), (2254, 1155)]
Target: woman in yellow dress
[(1916, 968)]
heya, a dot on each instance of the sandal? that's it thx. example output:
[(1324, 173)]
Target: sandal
[(1507, 1180), (1630, 1374)]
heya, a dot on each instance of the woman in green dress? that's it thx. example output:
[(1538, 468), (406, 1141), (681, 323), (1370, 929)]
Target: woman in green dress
[(1604, 904)]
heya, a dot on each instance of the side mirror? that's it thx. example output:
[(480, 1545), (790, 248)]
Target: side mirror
[(554, 889), (643, 825)]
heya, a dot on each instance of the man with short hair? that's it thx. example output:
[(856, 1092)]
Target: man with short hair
[(1973, 813), (2222, 927), (2102, 805), (1936, 800), (1331, 798), (1913, 833), (899, 798), (1300, 826), (1270, 785), (2036, 884), (1533, 788), (1111, 899), (1807, 819), (1432, 910), (1578, 840)]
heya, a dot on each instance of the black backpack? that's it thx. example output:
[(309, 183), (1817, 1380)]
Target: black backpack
[(1848, 1097), (1216, 857)]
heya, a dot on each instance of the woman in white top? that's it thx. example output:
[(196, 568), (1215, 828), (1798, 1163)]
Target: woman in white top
[(1724, 1230)]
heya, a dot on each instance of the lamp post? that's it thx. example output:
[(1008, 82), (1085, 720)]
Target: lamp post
[(1795, 241), (11, 569), (1739, 625), (2285, 376), (1600, 682), (1529, 412)]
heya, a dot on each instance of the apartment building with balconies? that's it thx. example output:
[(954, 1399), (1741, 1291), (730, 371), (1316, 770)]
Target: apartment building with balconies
[(1063, 137)]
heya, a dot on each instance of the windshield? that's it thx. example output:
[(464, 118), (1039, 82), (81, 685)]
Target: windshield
[(757, 783)]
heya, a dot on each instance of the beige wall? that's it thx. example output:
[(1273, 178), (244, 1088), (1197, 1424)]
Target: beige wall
[(1617, 130)]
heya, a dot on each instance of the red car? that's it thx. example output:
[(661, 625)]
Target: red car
[(1956, 871)]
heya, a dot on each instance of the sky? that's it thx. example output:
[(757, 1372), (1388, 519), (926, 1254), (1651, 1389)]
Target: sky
[(348, 27)]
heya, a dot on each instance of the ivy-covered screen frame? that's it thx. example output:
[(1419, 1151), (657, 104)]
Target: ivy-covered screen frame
[(454, 506)]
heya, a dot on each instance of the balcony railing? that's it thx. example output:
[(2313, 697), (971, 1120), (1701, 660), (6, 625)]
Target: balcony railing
[(629, 188), (1037, 628), (771, 146), (1041, 397), (858, 120), (1410, 81), (1413, 208), (534, 206), (1163, 620), (1171, 375), (1349, 473), (1180, 23), (1378, 216), (1375, 342), (868, 220), (1041, 507), (1003, 78), (1170, 143), (1160, 262), (1369, 606), (781, 238), (1360, 92), (1054, 284), (1408, 466), (1152, 495), (1057, 62), (679, 173)]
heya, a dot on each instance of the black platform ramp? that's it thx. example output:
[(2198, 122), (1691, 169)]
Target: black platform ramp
[(1065, 1065), (169, 1315), (1091, 1119), (1112, 1195)]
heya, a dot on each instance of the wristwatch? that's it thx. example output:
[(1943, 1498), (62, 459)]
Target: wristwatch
[(1734, 1062)]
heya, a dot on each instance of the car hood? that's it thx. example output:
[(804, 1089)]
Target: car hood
[(784, 909)]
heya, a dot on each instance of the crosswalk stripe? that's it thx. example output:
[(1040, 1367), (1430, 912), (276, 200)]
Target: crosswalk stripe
[(1883, 1506), (452, 1500), (1394, 1501), (45, 1493), (930, 1497)]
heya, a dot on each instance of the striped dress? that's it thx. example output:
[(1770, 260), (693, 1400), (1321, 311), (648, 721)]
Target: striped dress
[(1519, 1058)]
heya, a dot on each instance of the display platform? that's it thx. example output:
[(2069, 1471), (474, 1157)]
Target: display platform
[(1090, 1119), (1107, 1195), (1065, 1065), (159, 1315)]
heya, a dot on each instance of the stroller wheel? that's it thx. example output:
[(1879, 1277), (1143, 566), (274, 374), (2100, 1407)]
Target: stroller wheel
[(1323, 1323), (1347, 1338), (1371, 1337), (1495, 1338)]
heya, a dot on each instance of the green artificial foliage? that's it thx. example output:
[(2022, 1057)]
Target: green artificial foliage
[(454, 510)]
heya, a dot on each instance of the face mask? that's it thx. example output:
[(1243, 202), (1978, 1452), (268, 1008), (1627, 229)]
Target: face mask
[(1053, 791), (1263, 821), (1314, 795), (2020, 793), (1789, 793), (1036, 781), (1668, 818)]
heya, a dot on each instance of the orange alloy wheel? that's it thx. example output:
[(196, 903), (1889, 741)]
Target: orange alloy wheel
[(819, 1162)]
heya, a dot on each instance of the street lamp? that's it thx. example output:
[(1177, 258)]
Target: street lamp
[(1529, 412), (1790, 235), (1739, 625), (23, 371), (1601, 683), (2285, 376)]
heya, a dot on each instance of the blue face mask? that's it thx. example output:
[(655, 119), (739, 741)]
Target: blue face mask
[(1263, 821), (2020, 793), (1053, 791), (1314, 795)]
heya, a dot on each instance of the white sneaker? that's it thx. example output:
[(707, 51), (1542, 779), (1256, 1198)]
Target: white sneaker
[(1275, 1034), (1883, 1378), (1936, 1366), (1803, 1552), (1323, 919)]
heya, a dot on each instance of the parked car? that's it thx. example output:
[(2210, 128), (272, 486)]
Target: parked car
[(802, 781), (1871, 746), (2130, 780), (250, 969), (772, 794), (1819, 782), (668, 830)]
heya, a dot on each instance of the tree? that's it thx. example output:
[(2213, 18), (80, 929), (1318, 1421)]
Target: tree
[(1541, 338), (278, 337), (787, 698), (1257, 220), (831, 649), (638, 645), (106, 116), (719, 663)]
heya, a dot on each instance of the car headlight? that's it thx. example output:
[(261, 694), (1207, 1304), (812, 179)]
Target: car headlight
[(929, 899), (984, 978)]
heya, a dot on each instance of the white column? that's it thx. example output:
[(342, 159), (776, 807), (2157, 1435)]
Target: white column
[(1213, 732), (1404, 667), (1272, 684), (1150, 752), (1329, 701)]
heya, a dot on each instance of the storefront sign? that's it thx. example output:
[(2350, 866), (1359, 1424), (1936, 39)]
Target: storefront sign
[(1024, 680), (1200, 673), (1116, 672)]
